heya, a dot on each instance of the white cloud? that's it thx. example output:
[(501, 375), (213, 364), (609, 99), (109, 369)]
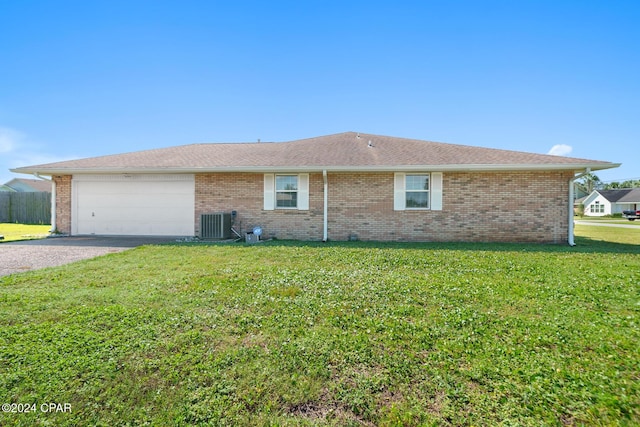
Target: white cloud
[(9, 139), (560, 150)]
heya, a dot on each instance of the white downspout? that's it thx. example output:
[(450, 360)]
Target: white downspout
[(325, 220), (571, 181), (53, 201)]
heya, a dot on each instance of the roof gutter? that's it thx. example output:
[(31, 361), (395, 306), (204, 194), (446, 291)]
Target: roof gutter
[(53, 200), (319, 168), (587, 171)]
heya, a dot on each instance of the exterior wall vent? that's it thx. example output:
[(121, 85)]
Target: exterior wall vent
[(215, 226)]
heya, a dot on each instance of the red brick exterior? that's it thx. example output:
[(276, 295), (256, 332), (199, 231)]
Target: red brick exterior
[(477, 206), (63, 203), (243, 192), (505, 206)]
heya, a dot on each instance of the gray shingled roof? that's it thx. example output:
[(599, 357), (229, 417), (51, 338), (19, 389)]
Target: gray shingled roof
[(28, 185), (623, 195), (340, 152)]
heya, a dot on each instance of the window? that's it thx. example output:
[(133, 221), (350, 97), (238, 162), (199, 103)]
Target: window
[(417, 191), (597, 207), (287, 191)]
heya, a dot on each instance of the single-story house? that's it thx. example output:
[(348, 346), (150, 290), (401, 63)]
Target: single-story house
[(340, 187), (23, 185), (609, 202)]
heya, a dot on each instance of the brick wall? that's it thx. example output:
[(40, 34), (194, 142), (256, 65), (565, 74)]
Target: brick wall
[(63, 203), (508, 207), (505, 206), (243, 192)]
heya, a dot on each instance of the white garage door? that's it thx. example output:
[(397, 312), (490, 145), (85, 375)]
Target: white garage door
[(144, 205)]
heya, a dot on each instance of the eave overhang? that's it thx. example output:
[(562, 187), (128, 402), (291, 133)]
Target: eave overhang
[(319, 168)]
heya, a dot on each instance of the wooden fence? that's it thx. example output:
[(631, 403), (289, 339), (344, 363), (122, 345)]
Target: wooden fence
[(25, 208)]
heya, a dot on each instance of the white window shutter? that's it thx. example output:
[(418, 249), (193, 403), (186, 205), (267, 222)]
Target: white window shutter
[(269, 191), (399, 198), (436, 191), (303, 192)]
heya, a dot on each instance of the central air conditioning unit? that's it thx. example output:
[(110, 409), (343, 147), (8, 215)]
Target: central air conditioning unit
[(215, 226)]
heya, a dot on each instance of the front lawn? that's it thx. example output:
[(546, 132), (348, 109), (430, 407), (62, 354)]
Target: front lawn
[(12, 232), (602, 234), (327, 334)]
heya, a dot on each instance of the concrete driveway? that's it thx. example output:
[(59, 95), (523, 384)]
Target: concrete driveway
[(17, 257)]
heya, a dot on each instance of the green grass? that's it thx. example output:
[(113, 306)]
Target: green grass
[(293, 334), (13, 232), (600, 234)]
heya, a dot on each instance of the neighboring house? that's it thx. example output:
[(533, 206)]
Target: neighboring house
[(338, 187), (22, 185), (609, 202)]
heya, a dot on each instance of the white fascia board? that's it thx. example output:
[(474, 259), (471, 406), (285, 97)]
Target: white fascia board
[(301, 169)]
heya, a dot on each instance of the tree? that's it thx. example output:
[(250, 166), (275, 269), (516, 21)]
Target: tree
[(588, 183), (630, 183)]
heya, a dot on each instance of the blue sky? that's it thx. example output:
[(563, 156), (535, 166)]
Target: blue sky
[(87, 78)]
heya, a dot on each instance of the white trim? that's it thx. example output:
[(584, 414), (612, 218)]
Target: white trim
[(399, 197), (269, 191), (435, 192), (428, 191), (303, 192), (53, 228), (325, 210), (147, 177), (296, 191), (319, 168), (570, 237), (54, 207), (435, 184), (74, 207)]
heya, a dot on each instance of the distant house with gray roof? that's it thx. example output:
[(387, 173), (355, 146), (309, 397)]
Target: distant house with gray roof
[(609, 202), (24, 185), (339, 187)]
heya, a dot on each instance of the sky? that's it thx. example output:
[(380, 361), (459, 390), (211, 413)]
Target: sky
[(89, 78)]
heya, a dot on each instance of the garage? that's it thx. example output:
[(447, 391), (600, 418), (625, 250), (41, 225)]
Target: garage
[(136, 204)]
